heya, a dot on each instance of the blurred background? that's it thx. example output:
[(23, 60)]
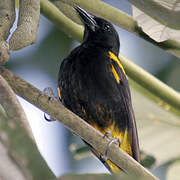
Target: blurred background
[(39, 65)]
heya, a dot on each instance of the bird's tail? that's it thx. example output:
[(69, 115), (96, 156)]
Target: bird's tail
[(113, 168)]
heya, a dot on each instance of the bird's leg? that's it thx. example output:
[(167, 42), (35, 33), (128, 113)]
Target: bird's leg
[(49, 92), (108, 134), (49, 119)]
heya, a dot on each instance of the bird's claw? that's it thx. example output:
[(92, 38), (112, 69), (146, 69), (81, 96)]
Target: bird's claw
[(49, 92), (49, 119), (108, 134)]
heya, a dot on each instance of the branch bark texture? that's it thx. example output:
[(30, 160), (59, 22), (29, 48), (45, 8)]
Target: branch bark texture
[(12, 107), (21, 148), (27, 27), (64, 23), (7, 17), (75, 124), (13, 171)]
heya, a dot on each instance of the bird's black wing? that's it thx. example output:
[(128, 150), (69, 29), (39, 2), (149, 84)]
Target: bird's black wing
[(94, 86), (124, 92)]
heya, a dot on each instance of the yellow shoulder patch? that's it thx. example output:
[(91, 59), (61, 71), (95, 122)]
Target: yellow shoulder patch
[(59, 93), (115, 58), (115, 74)]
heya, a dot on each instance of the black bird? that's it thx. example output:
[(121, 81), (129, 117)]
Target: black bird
[(93, 84)]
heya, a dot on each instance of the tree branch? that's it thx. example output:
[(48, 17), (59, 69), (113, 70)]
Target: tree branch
[(27, 27), (151, 83), (22, 150), (75, 124), (7, 17), (64, 23), (98, 177), (114, 15), (13, 171), (12, 107), (4, 51)]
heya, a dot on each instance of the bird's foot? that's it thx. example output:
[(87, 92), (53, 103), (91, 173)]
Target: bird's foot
[(108, 134), (49, 92)]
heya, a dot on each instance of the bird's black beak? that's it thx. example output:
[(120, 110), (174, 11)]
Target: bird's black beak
[(87, 19)]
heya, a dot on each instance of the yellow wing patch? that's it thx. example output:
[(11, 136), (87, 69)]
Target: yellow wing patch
[(115, 58), (59, 93), (115, 74)]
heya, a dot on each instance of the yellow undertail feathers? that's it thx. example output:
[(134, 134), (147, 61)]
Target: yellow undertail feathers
[(124, 145)]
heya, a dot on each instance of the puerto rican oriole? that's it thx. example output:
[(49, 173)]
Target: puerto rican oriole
[(93, 84)]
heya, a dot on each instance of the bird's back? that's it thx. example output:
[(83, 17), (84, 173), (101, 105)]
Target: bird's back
[(89, 86)]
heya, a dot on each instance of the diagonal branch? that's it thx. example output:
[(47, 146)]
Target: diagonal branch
[(12, 107), (151, 83), (17, 173), (22, 152), (75, 124), (64, 23)]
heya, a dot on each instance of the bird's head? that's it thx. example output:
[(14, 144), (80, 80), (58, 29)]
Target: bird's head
[(99, 31)]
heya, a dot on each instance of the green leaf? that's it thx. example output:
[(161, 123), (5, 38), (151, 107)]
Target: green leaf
[(164, 11), (173, 172), (157, 31), (158, 125)]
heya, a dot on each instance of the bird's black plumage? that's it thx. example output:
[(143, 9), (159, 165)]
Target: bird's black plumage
[(93, 84)]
